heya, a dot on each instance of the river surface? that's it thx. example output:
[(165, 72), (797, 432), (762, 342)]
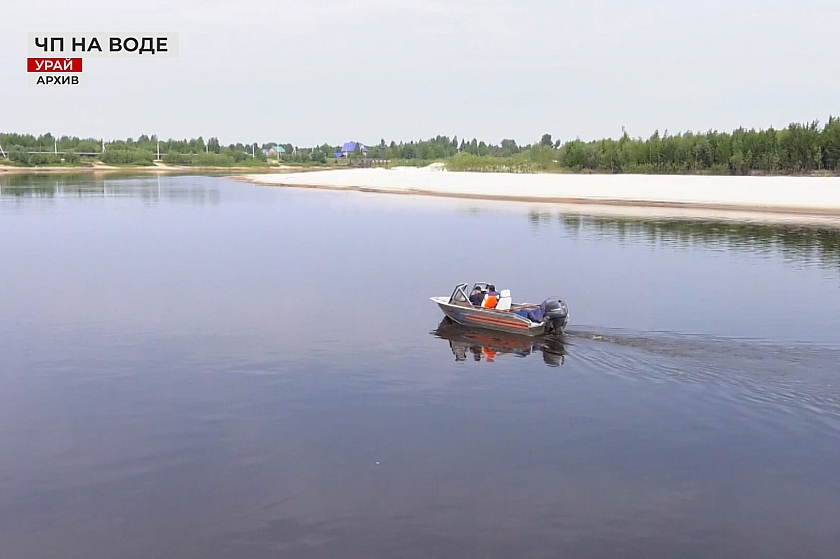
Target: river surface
[(192, 367)]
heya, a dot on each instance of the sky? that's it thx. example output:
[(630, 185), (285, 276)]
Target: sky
[(313, 71)]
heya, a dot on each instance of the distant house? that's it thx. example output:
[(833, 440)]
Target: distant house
[(349, 149), (275, 151)]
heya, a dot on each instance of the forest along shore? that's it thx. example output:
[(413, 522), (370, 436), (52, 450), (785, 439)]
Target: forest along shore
[(157, 168), (787, 197)]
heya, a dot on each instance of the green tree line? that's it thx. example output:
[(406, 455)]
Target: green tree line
[(23, 149), (797, 149)]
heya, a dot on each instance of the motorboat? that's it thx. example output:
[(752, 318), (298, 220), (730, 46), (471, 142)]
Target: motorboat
[(547, 318), (486, 345)]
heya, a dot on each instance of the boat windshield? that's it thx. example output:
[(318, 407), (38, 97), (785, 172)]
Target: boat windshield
[(459, 296)]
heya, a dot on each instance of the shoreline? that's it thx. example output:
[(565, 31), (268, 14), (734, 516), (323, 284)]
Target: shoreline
[(8, 170), (789, 200)]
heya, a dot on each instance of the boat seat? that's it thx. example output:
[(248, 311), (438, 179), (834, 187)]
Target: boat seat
[(504, 300)]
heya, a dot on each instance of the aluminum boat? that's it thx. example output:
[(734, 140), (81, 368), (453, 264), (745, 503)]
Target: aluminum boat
[(549, 317)]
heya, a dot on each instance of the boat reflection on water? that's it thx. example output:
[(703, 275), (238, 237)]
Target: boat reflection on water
[(479, 344)]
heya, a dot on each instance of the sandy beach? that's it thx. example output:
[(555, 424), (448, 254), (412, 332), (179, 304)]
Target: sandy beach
[(788, 199)]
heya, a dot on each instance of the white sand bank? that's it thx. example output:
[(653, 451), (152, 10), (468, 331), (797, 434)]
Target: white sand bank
[(805, 196)]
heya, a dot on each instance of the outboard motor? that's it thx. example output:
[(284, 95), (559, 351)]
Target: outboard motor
[(556, 315)]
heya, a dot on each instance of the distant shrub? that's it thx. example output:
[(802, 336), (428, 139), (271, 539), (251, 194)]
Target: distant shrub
[(212, 160), (127, 156), (18, 155), (175, 158), (200, 159), (44, 159)]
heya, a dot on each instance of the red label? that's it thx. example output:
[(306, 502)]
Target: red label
[(53, 64)]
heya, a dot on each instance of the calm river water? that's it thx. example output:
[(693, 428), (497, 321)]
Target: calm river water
[(192, 367)]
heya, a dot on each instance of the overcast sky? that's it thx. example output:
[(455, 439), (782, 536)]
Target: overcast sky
[(314, 71)]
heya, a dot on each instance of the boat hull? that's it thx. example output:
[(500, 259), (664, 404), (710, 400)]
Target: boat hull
[(503, 321)]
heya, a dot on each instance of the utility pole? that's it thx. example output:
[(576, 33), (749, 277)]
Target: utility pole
[(55, 146), (158, 148)]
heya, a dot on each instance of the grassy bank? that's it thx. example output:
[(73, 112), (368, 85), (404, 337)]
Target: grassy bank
[(533, 161)]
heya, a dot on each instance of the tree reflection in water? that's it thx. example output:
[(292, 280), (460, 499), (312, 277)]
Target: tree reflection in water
[(804, 244)]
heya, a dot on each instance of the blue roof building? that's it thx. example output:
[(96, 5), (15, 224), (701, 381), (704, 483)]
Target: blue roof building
[(349, 148)]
